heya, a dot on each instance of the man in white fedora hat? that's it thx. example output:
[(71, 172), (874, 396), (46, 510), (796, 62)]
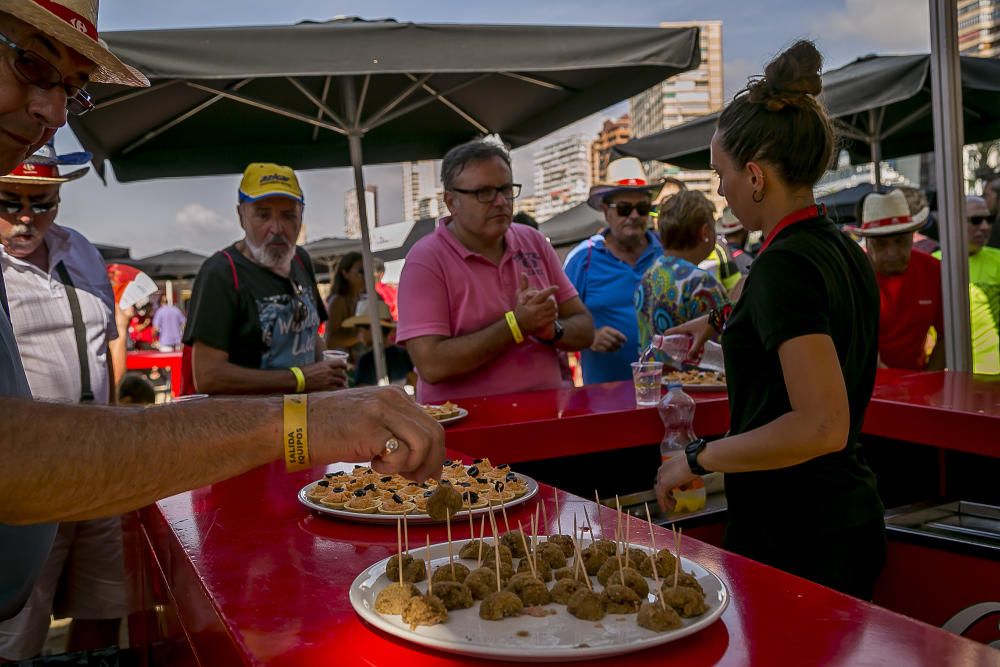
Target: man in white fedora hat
[(606, 268), (63, 314), (70, 462), (909, 282)]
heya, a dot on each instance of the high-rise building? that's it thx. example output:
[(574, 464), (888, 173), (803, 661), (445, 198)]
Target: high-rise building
[(683, 98), (979, 28), (418, 190), (612, 133), (562, 175), (352, 220)]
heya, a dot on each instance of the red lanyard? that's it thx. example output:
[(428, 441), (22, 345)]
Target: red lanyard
[(806, 213)]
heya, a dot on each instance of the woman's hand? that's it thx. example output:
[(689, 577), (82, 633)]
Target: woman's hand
[(673, 472)]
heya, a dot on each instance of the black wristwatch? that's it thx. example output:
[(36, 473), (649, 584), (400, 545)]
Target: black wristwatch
[(559, 331), (692, 451)]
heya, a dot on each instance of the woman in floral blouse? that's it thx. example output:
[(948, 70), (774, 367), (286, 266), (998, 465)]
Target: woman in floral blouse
[(674, 290)]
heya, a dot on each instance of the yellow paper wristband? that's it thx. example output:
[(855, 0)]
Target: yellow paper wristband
[(514, 328), (300, 379), (296, 422)]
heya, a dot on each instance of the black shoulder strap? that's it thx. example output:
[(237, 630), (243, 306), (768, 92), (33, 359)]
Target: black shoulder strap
[(86, 393)]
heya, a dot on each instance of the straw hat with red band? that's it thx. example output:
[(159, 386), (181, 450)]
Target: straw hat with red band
[(42, 168), (624, 175), (74, 24), (887, 214)]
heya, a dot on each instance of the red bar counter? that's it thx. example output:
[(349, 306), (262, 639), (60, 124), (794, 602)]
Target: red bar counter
[(239, 573), (954, 411)]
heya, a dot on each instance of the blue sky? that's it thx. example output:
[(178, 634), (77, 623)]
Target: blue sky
[(199, 214)]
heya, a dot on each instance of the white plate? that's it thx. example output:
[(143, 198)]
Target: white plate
[(413, 517), (462, 414), (557, 638)]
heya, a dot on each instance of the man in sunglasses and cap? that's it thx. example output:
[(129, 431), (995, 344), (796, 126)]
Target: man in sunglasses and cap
[(607, 267), (255, 309), (72, 462), (984, 287)]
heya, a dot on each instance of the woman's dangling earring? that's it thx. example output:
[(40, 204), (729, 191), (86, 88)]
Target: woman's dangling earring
[(757, 199)]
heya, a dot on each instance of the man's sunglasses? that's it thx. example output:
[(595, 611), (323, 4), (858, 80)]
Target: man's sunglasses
[(976, 220), (624, 208), (38, 71), (15, 207)]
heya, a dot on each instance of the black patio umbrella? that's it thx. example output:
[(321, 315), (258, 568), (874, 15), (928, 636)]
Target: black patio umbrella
[(572, 225), (171, 265), (881, 106), (311, 94)]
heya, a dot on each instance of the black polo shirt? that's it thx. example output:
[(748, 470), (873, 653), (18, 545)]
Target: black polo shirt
[(812, 279), (267, 322)]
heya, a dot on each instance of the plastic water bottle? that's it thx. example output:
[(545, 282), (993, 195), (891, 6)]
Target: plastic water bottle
[(676, 410), (675, 346)]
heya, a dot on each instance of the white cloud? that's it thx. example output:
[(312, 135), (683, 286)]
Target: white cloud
[(201, 219), (881, 25)]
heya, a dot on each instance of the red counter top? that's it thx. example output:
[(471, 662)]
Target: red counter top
[(948, 410), (256, 579)]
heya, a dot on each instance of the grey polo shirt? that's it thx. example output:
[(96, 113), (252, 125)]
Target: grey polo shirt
[(23, 549)]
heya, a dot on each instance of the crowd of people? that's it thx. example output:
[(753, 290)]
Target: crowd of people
[(805, 313)]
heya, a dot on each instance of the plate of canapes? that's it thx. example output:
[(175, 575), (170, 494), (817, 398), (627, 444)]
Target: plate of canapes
[(538, 598), (358, 493), (446, 412), (697, 379)]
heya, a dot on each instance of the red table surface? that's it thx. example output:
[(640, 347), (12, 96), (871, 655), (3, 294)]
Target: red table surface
[(944, 409), (257, 579), (143, 359)]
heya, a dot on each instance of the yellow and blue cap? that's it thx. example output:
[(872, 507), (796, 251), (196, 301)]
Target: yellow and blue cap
[(264, 179)]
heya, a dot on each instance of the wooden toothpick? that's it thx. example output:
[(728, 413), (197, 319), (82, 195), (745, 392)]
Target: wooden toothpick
[(555, 494), (430, 579), (590, 526), (406, 535), (482, 534), (524, 541), (399, 548), (451, 556)]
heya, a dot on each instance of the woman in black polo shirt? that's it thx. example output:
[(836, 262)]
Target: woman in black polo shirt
[(800, 346)]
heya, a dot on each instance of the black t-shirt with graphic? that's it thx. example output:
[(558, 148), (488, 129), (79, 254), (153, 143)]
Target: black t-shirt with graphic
[(270, 322), (812, 279)]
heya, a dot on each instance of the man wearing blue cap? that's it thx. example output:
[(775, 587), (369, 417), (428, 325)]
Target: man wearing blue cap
[(255, 310)]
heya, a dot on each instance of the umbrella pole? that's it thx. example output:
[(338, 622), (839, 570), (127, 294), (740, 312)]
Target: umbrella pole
[(876, 147), (378, 345), (946, 101)]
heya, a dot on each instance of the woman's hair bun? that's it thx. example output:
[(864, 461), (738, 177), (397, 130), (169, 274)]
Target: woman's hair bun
[(791, 79)]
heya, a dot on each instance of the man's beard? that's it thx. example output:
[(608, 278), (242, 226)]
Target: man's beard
[(277, 258)]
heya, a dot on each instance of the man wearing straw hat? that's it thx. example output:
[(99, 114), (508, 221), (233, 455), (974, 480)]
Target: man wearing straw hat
[(606, 268), (62, 311), (49, 50), (909, 283)]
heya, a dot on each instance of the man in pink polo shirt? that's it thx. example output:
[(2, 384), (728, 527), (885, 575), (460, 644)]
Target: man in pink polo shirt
[(483, 304)]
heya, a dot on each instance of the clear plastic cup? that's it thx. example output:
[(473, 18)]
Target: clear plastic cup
[(335, 354), (646, 377)]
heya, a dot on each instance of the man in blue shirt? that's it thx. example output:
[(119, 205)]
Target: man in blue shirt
[(607, 267)]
